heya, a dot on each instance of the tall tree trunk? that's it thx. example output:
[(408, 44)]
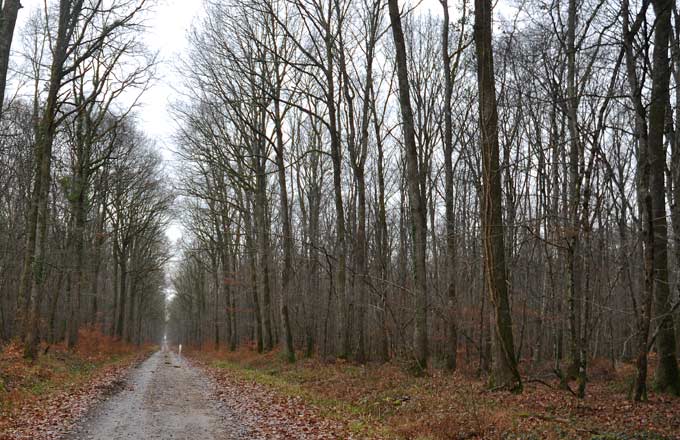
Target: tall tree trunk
[(417, 204), (33, 273), (263, 242), (122, 296), (382, 240), (675, 157), (452, 345), (504, 371), (644, 206), (217, 271), (99, 239), (340, 243), (251, 246), (133, 299), (667, 374), (573, 235), (287, 274), (79, 251), (314, 206), (116, 288), (358, 152)]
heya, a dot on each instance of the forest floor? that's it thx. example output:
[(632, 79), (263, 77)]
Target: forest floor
[(342, 400), (43, 399), (107, 391)]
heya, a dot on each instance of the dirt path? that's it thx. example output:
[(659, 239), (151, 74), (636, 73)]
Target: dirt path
[(165, 398)]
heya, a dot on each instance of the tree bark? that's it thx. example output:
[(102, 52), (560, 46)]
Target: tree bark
[(33, 273), (286, 276), (452, 345), (417, 204), (340, 243), (667, 374), (504, 373), (122, 296), (382, 239), (644, 207)]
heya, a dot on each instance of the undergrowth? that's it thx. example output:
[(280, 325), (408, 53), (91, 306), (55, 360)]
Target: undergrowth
[(384, 401), (56, 369)]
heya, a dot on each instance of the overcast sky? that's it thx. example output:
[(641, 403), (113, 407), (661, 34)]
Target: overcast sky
[(169, 23)]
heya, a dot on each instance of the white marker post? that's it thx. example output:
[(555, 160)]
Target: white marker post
[(180, 349)]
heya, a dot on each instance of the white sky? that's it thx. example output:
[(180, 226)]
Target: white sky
[(168, 27)]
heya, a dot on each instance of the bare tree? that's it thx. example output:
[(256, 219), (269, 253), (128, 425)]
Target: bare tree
[(71, 47), (416, 202), (504, 372)]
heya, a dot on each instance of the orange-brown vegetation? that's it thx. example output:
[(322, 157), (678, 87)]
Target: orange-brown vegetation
[(39, 400), (384, 401)]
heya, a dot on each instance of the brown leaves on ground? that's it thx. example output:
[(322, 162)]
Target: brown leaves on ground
[(268, 414), (457, 407), (41, 400), (383, 401)]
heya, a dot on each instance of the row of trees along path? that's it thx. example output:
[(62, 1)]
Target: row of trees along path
[(84, 196), (355, 179)]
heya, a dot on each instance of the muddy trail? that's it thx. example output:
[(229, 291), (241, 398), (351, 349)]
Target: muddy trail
[(164, 398)]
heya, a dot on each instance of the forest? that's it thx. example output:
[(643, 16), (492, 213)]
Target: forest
[(453, 187), (371, 184)]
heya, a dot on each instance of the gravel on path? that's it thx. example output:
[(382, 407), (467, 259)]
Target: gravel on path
[(164, 398)]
